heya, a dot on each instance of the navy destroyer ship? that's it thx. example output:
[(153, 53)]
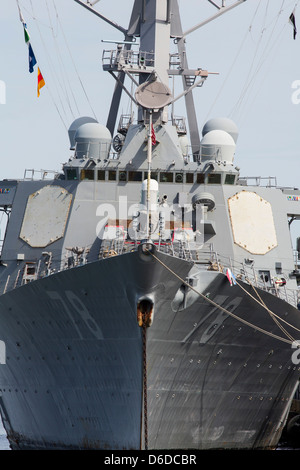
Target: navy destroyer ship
[(148, 292)]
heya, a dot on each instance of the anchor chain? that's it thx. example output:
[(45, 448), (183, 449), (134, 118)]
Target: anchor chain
[(144, 318), (145, 382)]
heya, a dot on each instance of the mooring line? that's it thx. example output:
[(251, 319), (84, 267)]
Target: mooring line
[(251, 325)]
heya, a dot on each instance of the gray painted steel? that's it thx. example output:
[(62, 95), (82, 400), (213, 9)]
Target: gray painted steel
[(75, 282)]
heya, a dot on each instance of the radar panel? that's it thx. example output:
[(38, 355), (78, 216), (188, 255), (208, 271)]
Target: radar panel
[(45, 216), (252, 222), (153, 95)]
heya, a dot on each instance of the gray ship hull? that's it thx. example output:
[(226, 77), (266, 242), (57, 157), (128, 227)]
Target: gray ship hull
[(73, 372), (216, 383), (73, 377)]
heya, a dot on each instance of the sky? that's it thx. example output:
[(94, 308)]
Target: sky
[(251, 47)]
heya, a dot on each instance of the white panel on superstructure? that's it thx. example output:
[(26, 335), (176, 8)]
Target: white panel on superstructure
[(45, 216), (252, 222)]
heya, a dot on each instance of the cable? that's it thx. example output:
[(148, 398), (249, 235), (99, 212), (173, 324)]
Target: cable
[(62, 68), (52, 69), (232, 65), (268, 333), (73, 62), (245, 94)]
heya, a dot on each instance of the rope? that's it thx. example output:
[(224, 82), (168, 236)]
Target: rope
[(61, 81), (259, 59), (268, 333), (231, 68), (272, 314), (63, 70), (52, 69), (73, 62)]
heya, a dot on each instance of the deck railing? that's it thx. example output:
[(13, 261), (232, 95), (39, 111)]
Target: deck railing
[(204, 256)]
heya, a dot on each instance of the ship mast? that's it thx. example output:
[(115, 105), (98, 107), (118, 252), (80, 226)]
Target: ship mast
[(155, 22)]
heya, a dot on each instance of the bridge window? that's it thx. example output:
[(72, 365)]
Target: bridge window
[(87, 175), (154, 175), (200, 178), (135, 176), (101, 175), (229, 179), (189, 178), (214, 178), (112, 175), (166, 177), (72, 174)]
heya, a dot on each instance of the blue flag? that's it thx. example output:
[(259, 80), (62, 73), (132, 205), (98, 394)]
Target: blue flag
[(32, 59)]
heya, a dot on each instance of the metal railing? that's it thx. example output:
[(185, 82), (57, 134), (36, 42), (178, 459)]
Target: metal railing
[(31, 174), (76, 257), (264, 181), (202, 255), (275, 285), (116, 58)]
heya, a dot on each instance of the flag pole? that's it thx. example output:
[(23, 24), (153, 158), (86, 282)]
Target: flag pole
[(149, 158)]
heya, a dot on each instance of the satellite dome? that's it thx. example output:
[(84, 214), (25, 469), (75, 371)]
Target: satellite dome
[(92, 140), (92, 131), (74, 126), (217, 145), (222, 124)]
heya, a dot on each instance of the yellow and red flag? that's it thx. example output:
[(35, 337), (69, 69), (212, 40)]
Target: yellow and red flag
[(41, 82)]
